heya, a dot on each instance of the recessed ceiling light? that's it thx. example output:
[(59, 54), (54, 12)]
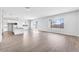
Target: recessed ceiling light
[(27, 7)]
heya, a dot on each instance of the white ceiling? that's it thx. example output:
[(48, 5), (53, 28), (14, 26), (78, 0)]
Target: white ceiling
[(35, 12)]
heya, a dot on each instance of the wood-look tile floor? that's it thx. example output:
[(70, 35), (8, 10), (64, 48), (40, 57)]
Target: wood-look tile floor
[(36, 41)]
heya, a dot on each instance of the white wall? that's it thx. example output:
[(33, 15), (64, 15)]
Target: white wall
[(71, 23), (78, 23), (0, 26)]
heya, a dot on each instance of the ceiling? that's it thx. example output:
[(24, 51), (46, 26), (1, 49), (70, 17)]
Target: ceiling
[(35, 12)]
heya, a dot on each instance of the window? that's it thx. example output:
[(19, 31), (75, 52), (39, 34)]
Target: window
[(57, 23)]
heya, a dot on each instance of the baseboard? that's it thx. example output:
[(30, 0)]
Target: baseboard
[(62, 33), (69, 34)]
